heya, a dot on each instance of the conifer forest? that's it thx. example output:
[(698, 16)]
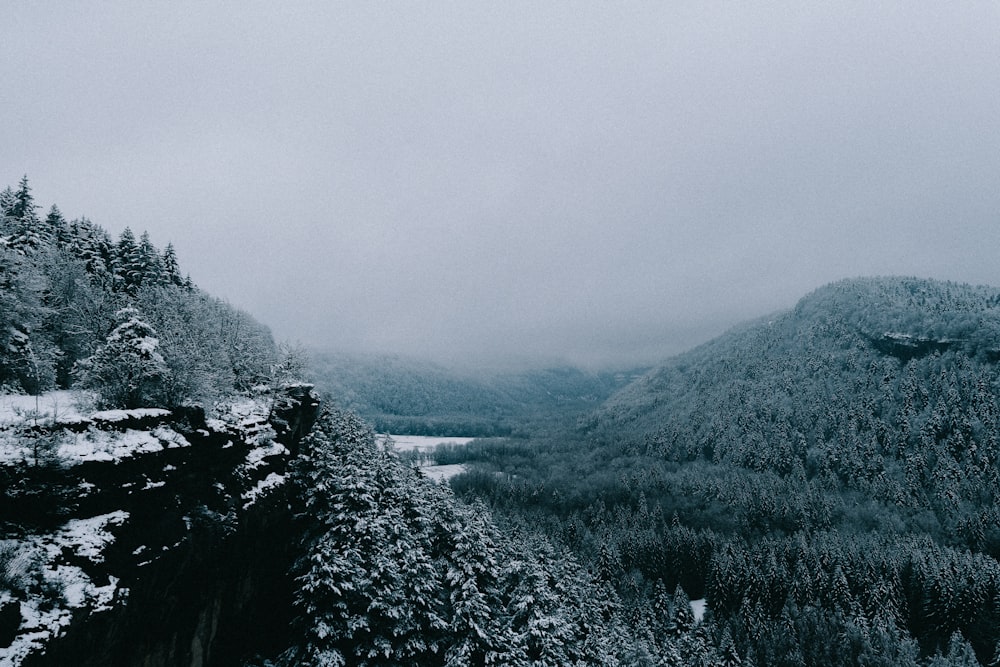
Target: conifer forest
[(819, 487)]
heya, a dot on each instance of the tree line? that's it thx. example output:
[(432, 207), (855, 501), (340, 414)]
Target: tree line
[(79, 308)]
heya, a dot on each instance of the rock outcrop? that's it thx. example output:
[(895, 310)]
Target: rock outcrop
[(166, 543)]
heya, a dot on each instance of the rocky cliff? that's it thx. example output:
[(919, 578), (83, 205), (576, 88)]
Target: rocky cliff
[(148, 537)]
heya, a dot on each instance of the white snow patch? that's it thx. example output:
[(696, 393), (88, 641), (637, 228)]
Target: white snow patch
[(37, 627), (169, 437), (443, 473), (95, 445), (420, 443), (262, 488), (104, 596), (91, 445), (112, 416), (87, 538), (245, 417), (52, 406), (698, 609), (255, 457)]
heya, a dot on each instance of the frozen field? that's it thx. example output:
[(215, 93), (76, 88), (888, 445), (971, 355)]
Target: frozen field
[(426, 444), (421, 443)]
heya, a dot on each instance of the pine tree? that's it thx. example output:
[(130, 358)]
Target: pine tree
[(24, 203), (25, 237), (472, 576), (370, 593), (171, 269), (960, 654), (56, 228), (126, 262), (149, 267), (682, 620), (728, 655), (127, 371), (662, 608), (609, 566), (8, 200)]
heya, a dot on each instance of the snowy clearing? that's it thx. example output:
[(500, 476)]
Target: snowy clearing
[(698, 609), (420, 443), (425, 444), (443, 473), (53, 406)]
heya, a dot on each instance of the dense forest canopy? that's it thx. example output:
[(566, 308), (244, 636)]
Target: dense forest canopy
[(396, 571), (79, 308), (826, 477)]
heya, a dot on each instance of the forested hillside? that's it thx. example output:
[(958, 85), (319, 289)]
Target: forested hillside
[(80, 308), (825, 480), (164, 535), (827, 477), (401, 395), (395, 571)]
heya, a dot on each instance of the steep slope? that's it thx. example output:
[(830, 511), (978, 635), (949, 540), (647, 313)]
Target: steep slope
[(397, 572), (890, 385), (827, 478), (151, 536)]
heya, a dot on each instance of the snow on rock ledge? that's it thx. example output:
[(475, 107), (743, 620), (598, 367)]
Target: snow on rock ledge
[(58, 563), (109, 519)]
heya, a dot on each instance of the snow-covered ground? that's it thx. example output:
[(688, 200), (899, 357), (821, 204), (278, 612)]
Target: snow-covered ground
[(243, 417), (90, 445), (53, 406), (441, 473), (421, 443), (425, 444), (71, 407), (698, 609)]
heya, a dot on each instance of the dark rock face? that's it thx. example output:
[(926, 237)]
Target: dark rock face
[(10, 621), (908, 347), (200, 562), (294, 414), (217, 596)]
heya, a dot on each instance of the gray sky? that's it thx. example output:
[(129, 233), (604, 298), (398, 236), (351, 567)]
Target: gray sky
[(595, 182)]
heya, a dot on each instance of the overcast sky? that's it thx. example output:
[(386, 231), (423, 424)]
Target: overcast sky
[(475, 181)]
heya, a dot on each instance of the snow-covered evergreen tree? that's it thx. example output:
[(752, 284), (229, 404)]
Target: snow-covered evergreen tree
[(127, 371), (149, 267), (126, 261), (171, 269), (24, 228)]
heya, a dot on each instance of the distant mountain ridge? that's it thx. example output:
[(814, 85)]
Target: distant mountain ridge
[(886, 384), (402, 395)]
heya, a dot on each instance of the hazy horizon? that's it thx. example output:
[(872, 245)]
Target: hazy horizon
[(524, 183)]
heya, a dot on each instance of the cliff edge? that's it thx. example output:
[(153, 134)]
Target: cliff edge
[(146, 537)]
